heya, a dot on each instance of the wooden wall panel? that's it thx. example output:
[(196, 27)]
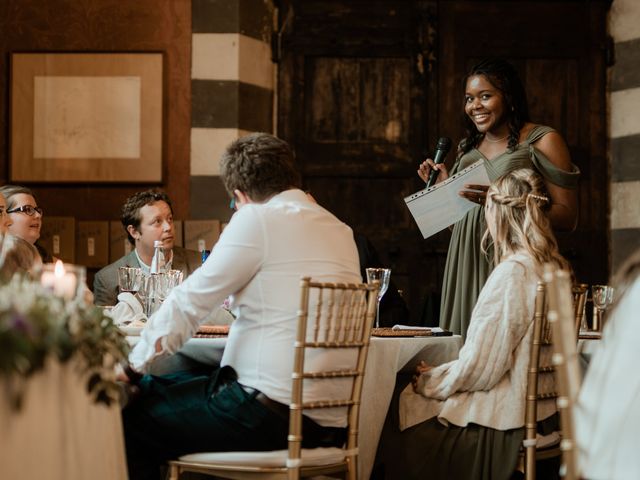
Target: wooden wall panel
[(106, 26)]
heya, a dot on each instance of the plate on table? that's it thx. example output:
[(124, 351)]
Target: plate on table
[(131, 331), (212, 331), (406, 332)]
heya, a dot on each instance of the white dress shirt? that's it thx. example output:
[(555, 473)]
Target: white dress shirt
[(607, 414), (259, 260)]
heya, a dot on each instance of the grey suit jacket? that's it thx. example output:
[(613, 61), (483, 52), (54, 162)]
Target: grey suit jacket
[(105, 282)]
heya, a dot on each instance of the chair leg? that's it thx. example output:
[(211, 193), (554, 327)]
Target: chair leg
[(174, 472), (293, 473), (352, 471)]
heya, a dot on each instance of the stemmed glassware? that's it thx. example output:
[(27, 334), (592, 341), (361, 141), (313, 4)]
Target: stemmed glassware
[(129, 279), (602, 296), (382, 275), (156, 288)]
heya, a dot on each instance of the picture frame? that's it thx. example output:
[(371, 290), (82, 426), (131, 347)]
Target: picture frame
[(86, 117)]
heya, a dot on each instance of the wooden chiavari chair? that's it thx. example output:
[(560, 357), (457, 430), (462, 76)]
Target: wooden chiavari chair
[(331, 316), (579, 291), (565, 358), (536, 447)]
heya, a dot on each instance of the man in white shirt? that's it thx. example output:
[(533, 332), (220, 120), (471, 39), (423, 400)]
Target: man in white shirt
[(607, 414), (276, 236), (146, 216)]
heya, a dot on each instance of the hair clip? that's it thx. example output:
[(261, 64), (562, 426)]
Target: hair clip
[(538, 197)]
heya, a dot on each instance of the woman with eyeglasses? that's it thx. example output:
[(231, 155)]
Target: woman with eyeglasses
[(25, 216), (5, 219)]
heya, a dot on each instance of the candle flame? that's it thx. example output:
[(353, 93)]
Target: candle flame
[(58, 270)]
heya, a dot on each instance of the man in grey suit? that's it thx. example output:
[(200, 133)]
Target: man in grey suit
[(146, 216)]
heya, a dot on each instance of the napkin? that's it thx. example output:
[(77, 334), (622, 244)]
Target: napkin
[(128, 311), (413, 327)]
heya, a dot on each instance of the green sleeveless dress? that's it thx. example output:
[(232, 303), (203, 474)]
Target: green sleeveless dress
[(467, 268)]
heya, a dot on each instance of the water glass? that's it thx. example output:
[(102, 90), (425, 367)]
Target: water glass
[(155, 288), (129, 279), (602, 297), (382, 275)]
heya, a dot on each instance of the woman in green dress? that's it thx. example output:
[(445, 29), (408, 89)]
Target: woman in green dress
[(498, 131)]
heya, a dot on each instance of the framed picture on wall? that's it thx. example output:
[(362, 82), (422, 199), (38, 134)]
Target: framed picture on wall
[(86, 117)]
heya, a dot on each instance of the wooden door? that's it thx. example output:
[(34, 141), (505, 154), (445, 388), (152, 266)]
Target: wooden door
[(366, 87), (353, 100)]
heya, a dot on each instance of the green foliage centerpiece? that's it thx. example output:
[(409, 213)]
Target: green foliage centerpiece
[(37, 326)]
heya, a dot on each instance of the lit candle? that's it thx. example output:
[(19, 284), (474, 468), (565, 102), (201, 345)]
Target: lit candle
[(62, 283)]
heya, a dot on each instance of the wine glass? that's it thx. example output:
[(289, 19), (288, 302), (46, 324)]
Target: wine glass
[(382, 275), (602, 296), (129, 279)]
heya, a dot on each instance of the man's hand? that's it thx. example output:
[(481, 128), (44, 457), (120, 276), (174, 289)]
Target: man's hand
[(126, 374), (420, 369)]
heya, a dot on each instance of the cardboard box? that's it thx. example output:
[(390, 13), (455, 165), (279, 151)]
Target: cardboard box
[(179, 236), (201, 234), (58, 237), (119, 244), (92, 244)]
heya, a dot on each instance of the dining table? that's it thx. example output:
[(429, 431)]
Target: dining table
[(59, 432), (387, 357), (588, 341)]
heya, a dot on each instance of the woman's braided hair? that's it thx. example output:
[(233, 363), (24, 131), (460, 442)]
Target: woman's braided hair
[(520, 204)]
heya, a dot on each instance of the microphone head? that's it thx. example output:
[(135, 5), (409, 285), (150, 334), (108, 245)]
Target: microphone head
[(444, 144)]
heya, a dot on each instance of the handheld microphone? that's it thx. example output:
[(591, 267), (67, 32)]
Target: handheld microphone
[(442, 148)]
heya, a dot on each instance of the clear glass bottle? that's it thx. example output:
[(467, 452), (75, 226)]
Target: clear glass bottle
[(158, 262), (154, 280)]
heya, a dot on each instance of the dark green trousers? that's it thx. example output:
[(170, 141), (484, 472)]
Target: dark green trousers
[(191, 412), (180, 413)]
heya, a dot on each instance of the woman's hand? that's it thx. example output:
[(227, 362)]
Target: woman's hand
[(475, 193), (420, 369), (424, 170)]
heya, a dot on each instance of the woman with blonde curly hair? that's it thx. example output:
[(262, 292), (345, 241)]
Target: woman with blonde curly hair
[(465, 419), (17, 256)]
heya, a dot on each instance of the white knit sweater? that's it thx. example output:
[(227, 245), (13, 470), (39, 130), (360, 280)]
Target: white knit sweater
[(487, 384)]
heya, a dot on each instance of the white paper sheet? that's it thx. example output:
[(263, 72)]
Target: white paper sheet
[(437, 207)]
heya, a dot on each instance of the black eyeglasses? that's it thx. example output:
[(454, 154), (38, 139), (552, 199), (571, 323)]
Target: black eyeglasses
[(27, 209)]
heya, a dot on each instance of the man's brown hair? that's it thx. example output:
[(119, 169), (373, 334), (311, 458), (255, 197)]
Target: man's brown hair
[(259, 165)]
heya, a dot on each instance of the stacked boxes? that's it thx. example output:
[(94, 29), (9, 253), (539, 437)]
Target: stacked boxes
[(58, 237), (95, 244), (201, 235)]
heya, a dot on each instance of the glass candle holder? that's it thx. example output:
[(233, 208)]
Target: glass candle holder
[(64, 279)]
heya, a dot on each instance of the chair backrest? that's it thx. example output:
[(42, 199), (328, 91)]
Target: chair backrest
[(565, 358), (331, 316), (579, 291), (541, 341)]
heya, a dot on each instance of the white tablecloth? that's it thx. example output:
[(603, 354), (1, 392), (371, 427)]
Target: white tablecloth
[(387, 357), (59, 433)]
